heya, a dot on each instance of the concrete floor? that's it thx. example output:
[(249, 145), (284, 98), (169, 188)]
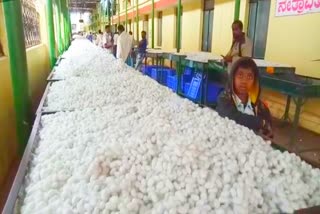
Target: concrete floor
[(308, 148), (307, 144)]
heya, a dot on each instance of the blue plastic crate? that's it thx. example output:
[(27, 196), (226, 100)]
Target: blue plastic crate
[(188, 71), (186, 88), (154, 73), (147, 70), (164, 73), (172, 82), (213, 90), (170, 71), (186, 78), (144, 70), (158, 73)]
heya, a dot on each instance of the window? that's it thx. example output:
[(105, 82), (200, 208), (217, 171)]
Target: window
[(207, 25), (259, 11), (159, 43), (31, 23)]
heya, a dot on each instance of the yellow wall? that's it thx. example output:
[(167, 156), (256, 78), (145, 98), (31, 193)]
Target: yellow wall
[(298, 37), (222, 21), (294, 40), (38, 69), (168, 29), (191, 26), (8, 141)]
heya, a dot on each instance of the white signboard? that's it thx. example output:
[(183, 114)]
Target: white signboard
[(297, 7)]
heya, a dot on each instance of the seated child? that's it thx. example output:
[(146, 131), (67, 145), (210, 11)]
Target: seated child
[(240, 102)]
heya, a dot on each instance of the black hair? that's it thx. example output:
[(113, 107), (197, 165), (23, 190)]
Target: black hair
[(107, 26), (130, 32), (239, 23), (99, 31), (120, 28), (245, 62)]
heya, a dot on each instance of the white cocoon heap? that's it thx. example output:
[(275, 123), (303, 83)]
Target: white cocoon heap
[(133, 146)]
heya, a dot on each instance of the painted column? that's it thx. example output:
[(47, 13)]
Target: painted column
[(152, 25), (126, 15), (237, 9), (137, 19), (19, 71), (59, 29), (179, 27), (52, 51)]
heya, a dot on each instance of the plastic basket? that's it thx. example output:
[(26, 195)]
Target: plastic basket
[(164, 73), (193, 93), (186, 88), (154, 73), (188, 71), (172, 82)]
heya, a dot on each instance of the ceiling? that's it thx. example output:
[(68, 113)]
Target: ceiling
[(83, 5)]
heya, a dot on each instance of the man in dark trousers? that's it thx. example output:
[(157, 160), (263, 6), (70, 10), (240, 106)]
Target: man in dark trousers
[(141, 50)]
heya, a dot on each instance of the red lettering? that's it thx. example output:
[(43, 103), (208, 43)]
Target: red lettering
[(289, 5), (308, 4), (317, 4), (298, 5), (282, 6)]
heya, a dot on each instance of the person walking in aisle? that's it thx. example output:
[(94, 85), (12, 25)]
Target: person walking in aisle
[(99, 39), (108, 39), (124, 43)]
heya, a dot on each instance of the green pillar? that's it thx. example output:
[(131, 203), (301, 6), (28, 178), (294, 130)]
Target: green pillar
[(19, 71), (59, 29), (62, 23), (237, 9), (70, 27), (179, 27), (152, 25), (137, 19), (126, 15), (118, 12), (65, 28), (52, 52)]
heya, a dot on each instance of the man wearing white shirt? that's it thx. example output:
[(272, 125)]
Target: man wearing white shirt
[(108, 39), (124, 43), (99, 40)]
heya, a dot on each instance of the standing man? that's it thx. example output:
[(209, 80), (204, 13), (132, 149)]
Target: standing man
[(99, 39), (108, 39), (142, 47), (115, 40), (241, 45), (90, 37), (123, 44)]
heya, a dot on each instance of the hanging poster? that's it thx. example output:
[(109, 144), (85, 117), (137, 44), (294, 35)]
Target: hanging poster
[(297, 7)]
